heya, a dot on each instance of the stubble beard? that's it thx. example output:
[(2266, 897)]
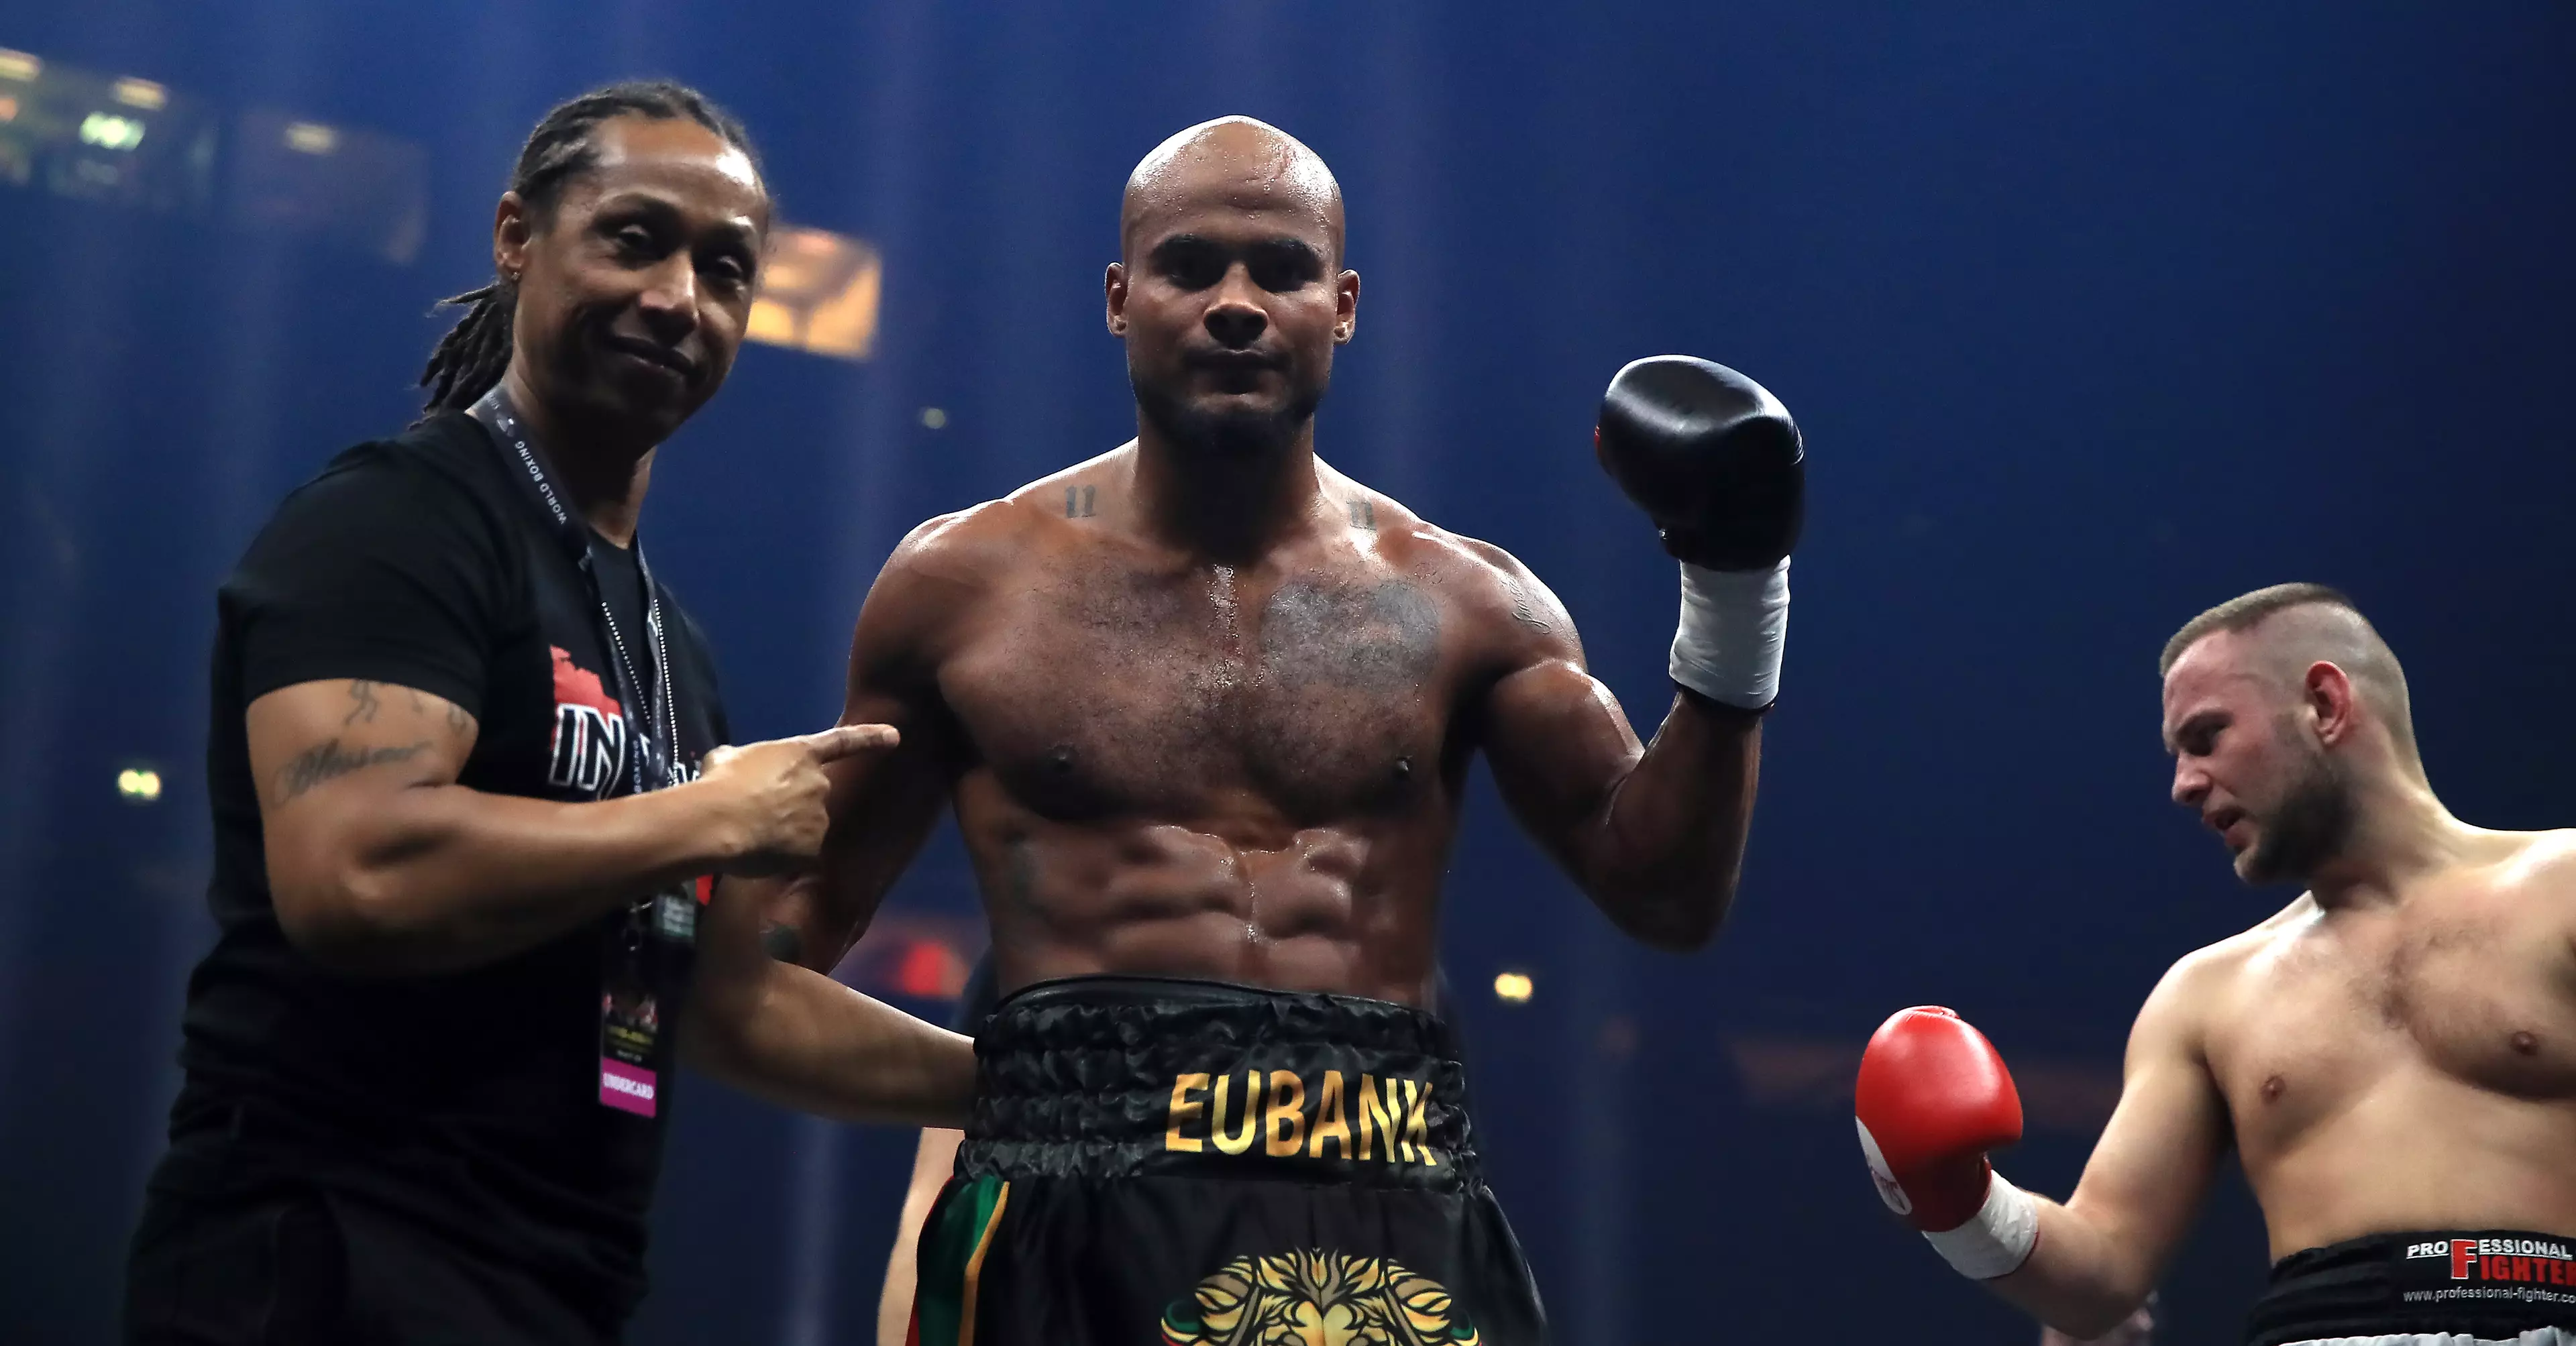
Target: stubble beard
[(2309, 828), (1229, 435)]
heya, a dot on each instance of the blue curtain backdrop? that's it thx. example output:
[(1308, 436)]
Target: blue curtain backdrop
[(2093, 315)]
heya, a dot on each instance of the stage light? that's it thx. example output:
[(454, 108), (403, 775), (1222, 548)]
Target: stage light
[(818, 293), (1513, 988), (933, 417), (141, 93), (139, 785), (311, 137), (19, 65), (8, 107), (108, 131), (357, 187)]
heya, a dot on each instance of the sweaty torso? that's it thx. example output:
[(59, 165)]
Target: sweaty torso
[(1248, 772), (2412, 1065)]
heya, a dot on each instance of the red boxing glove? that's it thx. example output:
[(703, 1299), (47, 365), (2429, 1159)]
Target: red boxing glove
[(1932, 1098)]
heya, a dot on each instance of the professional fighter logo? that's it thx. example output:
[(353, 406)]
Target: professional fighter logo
[(1888, 1189), (2502, 1259), (1317, 1298), (590, 732)]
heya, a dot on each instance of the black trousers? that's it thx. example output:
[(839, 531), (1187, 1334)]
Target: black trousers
[(300, 1266)]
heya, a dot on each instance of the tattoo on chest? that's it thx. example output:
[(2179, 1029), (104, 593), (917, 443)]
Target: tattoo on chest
[(1129, 692), (1380, 638), (1081, 502), (1364, 514)]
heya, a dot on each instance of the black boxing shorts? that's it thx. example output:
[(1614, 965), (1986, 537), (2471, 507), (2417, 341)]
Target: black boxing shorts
[(2427, 1289), (1158, 1162)]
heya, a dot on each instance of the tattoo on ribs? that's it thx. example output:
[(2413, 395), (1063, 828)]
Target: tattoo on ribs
[(783, 943), (363, 693), (330, 761), (1020, 873)]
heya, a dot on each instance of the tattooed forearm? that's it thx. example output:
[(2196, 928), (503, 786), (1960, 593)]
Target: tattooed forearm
[(329, 761), (457, 720), (363, 693)]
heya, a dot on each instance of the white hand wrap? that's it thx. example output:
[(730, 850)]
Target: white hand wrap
[(1734, 623), (1997, 1239)]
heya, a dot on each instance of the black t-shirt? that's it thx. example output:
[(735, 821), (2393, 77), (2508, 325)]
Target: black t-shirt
[(471, 1102)]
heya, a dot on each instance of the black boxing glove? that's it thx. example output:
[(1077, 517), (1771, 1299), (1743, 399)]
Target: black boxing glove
[(1716, 462)]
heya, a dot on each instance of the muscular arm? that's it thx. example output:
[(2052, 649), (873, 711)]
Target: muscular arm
[(1655, 835), (2100, 1252), (883, 808), (380, 863), (802, 1040)]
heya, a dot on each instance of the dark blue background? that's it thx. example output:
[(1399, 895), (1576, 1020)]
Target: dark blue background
[(2093, 315)]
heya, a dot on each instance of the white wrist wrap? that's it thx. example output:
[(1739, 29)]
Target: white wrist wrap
[(1997, 1239), (1734, 623)]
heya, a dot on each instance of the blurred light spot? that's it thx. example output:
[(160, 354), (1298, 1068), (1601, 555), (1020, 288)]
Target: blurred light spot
[(108, 131), (19, 65), (818, 293), (357, 187), (311, 137), (1513, 988), (8, 107), (141, 785), (141, 93), (930, 970), (933, 417)]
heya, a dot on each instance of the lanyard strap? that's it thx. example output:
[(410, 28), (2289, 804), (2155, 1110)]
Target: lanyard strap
[(652, 726)]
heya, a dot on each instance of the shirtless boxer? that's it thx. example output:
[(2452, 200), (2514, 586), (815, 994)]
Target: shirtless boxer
[(2393, 1054), (1205, 706)]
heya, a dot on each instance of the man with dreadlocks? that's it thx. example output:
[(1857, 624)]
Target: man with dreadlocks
[(469, 798)]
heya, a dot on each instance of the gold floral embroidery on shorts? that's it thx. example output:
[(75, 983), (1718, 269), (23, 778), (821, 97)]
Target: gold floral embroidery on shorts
[(1316, 1298)]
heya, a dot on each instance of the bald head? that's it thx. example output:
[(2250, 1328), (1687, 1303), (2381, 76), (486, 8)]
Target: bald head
[(2276, 635), (1234, 161)]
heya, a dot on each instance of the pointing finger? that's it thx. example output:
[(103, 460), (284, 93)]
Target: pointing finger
[(849, 740)]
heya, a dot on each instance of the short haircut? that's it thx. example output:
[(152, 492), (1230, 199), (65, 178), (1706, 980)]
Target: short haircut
[(2244, 610), (2343, 637)]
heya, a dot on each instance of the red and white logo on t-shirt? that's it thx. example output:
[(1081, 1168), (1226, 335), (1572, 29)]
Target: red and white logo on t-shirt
[(590, 731)]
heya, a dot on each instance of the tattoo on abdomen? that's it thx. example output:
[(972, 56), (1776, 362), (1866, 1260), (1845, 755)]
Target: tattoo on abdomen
[(329, 761), (1380, 638)]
